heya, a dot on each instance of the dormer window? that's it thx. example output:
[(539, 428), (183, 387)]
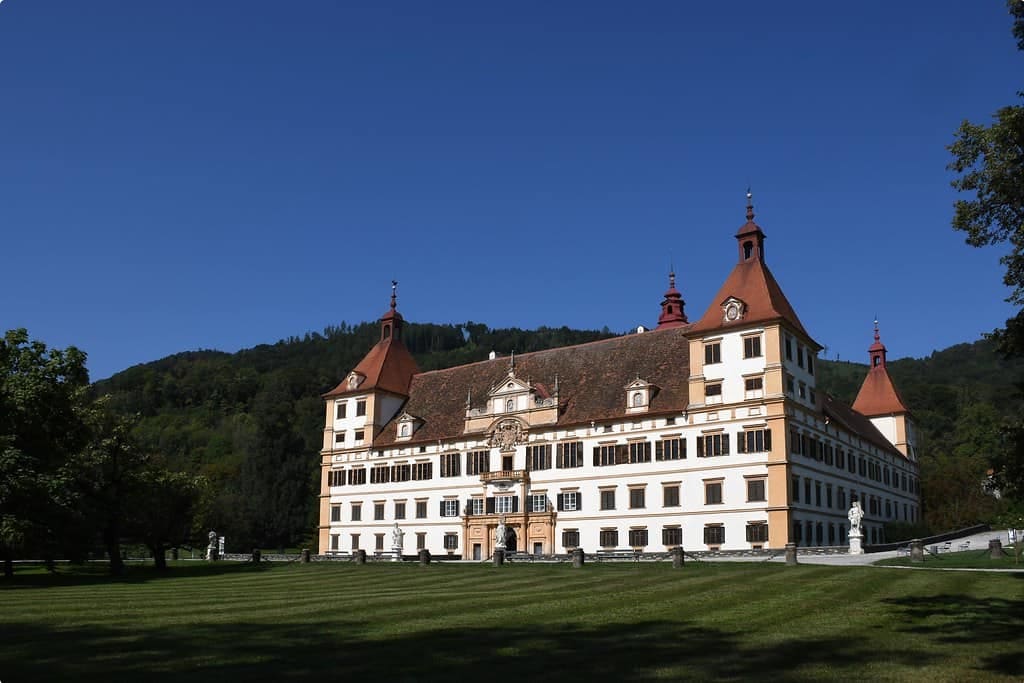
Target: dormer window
[(407, 425), (638, 396), (403, 431)]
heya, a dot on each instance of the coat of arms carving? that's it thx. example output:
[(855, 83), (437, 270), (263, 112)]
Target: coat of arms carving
[(507, 436)]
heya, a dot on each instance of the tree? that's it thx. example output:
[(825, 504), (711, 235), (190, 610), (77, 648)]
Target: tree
[(164, 504), (989, 161), (43, 395)]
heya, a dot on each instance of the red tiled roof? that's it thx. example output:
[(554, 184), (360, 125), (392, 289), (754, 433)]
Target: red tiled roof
[(856, 422), (752, 283), (878, 395), (388, 367), (591, 382)]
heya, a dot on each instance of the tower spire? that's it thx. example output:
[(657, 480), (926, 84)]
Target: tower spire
[(750, 205), (391, 322), (877, 350), (672, 306)]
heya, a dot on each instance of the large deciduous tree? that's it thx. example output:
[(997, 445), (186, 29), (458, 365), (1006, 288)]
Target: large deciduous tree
[(989, 162)]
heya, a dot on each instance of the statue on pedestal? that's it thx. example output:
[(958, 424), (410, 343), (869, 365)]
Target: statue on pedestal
[(397, 536), (500, 533), (213, 549), (855, 515)]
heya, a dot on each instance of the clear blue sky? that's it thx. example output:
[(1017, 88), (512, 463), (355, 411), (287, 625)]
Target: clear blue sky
[(183, 175)]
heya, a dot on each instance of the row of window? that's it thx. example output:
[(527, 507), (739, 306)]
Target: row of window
[(566, 501), (790, 344), (751, 349), (341, 409), (834, 456), (872, 505), (753, 387)]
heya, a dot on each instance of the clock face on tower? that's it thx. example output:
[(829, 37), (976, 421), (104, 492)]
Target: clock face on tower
[(733, 310)]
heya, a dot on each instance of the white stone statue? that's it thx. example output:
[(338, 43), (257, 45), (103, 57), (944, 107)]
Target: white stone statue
[(213, 549), (855, 515), (397, 536), (499, 534)]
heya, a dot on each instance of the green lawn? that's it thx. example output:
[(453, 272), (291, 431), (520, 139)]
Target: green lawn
[(529, 622), (969, 559)]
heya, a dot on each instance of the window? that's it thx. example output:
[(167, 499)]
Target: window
[(637, 538), (503, 504), (423, 470), (841, 498), (810, 362), (569, 454), (671, 496), (571, 538), (538, 502), (757, 532), (790, 385), (713, 393), (476, 506), (357, 512), (807, 491), (638, 399), (840, 459), (450, 465), (339, 437), (336, 478), (754, 441), (378, 511), (753, 387), (421, 509), (795, 442), (451, 541), (640, 451), (608, 499), (478, 461), (751, 347), (356, 476), (510, 405), (755, 490), (828, 495), (714, 535), (335, 513), (672, 536), (399, 510), (401, 472), (359, 436), (803, 390), (712, 354), (570, 501), (360, 408), (421, 540), (796, 489), (378, 542), (637, 498), (799, 355), (670, 449), (538, 457), (817, 493), (380, 474), (712, 493), (335, 541), (450, 507), (355, 541), (340, 408), (611, 454), (609, 538), (789, 347), (711, 445), (404, 429)]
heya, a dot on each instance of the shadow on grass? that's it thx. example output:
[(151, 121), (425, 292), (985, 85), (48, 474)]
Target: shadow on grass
[(337, 648), (99, 573), (962, 619)]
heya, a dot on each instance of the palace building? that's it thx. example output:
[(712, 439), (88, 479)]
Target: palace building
[(709, 435)]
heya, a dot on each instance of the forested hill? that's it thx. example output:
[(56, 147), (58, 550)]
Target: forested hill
[(252, 421)]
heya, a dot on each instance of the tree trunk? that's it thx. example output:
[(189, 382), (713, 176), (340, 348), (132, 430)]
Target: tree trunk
[(8, 567), (159, 556), (112, 541)]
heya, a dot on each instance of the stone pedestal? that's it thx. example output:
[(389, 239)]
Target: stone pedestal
[(995, 549), (304, 558), (791, 554), (677, 558), (855, 543), (424, 557), (499, 557), (256, 555), (396, 553), (578, 558), (917, 550), (360, 556)]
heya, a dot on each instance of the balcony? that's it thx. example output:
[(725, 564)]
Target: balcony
[(503, 477)]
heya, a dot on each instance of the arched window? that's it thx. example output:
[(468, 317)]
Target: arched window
[(638, 399), (748, 249), (387, 331), (405, 429), (510, 405)]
